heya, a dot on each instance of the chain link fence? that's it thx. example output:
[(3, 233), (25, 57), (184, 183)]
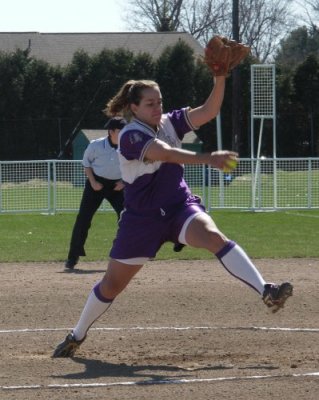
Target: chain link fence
[(51, 186)]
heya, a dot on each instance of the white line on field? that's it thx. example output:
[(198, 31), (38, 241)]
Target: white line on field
[(158, 382), (162, 328), (301, 214)]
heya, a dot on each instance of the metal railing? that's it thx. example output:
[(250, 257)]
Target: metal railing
[(51, 186)]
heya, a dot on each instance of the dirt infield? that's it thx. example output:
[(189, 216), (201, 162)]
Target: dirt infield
[(181, 330)]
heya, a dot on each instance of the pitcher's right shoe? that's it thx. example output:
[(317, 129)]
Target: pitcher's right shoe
[(68, 347), (178, 247), (276, 295)]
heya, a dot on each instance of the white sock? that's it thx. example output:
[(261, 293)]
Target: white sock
[(95, 306), (237, 263)]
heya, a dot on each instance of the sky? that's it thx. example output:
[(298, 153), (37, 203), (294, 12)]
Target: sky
[(62, 16), (65, 16)]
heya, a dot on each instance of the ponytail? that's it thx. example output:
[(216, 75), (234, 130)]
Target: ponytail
[(130, 93)]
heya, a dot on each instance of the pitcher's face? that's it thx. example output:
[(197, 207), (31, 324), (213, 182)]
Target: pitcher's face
[(150, 109)]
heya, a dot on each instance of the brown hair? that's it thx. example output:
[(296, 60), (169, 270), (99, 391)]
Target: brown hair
[(130, 93)]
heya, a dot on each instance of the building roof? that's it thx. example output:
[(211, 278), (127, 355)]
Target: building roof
[(93, 134), (58, 48), (191, 138)]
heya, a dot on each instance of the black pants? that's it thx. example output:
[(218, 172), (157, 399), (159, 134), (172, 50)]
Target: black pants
[(91, 201)]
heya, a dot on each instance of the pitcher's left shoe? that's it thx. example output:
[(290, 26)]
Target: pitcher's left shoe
[(68, 347)]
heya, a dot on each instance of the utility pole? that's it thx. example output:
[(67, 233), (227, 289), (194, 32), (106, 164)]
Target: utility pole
[(236, 87)]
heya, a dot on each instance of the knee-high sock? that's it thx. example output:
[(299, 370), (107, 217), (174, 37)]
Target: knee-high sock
[(237, 263), (95, 306)]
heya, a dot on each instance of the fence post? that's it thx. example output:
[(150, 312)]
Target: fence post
[(54, 162), (275, 183), (49, 186), (204, 189), (309, 183)]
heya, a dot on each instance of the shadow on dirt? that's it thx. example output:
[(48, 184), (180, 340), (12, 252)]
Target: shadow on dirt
[(97, 369), (77, 271)]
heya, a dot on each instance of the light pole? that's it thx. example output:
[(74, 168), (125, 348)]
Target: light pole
[(236, 131)]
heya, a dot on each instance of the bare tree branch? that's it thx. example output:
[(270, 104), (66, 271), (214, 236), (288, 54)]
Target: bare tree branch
[(311, 11), (262, 23), (203, 18), (158, 15)]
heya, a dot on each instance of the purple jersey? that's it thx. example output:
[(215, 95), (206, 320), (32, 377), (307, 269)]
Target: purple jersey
[(153, 186)]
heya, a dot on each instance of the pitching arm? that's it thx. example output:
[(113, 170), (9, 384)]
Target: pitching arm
[(161, 151)]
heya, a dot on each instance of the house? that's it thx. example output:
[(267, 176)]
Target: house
[(192, 142), (58, 48), (82, 139)]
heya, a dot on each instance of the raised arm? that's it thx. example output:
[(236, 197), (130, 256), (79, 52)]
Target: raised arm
[(221, 56), (210, 109)]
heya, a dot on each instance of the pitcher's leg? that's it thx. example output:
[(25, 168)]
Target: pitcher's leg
[(115, 280), (202, 232)]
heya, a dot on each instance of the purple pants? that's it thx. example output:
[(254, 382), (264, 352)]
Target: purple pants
[(142, 235)]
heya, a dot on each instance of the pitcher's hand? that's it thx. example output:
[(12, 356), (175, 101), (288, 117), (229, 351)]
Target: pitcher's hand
[(224, 160)]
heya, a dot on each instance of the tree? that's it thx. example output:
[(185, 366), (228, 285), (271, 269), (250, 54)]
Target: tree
[(311, 10), (290, 120), (306, 83), (28, 96), (198, 17), (89, 82), (161, 15), (42, 105), (261, 24), (12, 77), (313, 4), (295, 48), (175, 71), (204, 18)]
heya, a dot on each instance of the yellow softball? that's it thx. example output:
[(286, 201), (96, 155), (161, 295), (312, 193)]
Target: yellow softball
[(230, 165)]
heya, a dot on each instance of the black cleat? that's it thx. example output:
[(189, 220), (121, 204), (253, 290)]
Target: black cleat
[(71, 262), (276, 295), (178, 247), (68, 347)]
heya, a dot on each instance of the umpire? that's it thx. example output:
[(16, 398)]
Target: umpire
[(101, 166)]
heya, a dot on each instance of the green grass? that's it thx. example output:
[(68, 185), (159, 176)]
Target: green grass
[(31, 237)]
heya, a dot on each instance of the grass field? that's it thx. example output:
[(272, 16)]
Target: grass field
[(29, 237)]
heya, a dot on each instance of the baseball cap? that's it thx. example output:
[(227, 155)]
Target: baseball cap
[(115, 123)]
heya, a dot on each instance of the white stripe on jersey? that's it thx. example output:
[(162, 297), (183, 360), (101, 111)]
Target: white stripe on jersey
[(133, 169)]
